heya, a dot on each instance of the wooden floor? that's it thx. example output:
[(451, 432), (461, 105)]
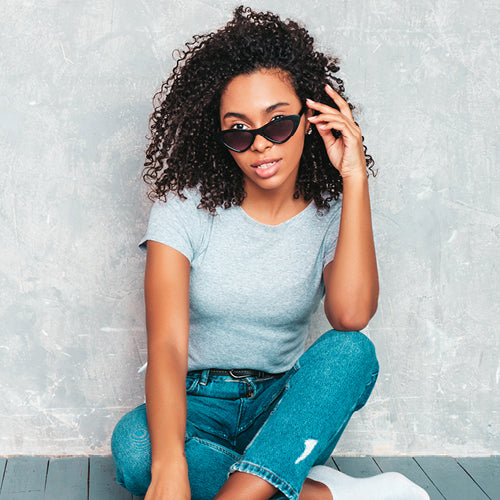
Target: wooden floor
[(93, 478)]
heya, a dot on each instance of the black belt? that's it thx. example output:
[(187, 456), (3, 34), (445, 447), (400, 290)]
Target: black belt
[(239, 373)]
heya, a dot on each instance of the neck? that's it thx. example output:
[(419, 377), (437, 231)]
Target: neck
[(271, 206)]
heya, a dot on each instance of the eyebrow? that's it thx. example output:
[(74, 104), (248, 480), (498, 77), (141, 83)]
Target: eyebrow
[(267, 110)]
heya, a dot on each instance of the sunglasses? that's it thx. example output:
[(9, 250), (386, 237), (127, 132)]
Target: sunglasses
[(277, 131)]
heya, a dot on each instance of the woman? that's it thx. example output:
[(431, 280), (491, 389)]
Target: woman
[(251, 149)]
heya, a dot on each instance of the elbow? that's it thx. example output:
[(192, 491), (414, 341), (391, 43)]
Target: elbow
[(346, 324), (350, 319)]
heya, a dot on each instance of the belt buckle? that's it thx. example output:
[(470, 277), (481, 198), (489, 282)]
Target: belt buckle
[(236, 376)]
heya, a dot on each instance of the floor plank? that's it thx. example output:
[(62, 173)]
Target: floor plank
[(103, 485), (410, 468), (450, 479), (67, 478), (3, 463), (485, 471), (357, 466), (84, 478), (331, 463), (24, 478)]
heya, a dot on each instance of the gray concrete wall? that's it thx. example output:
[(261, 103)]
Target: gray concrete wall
[(76, 83)]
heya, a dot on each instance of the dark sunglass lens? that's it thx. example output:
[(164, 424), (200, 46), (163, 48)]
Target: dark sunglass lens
[(238, 139), (279, 130)]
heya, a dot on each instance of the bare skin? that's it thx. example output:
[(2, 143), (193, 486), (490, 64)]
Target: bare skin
[(243, 486)]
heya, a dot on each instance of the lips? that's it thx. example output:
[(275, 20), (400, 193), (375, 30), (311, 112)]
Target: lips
[(267, 168), (266, 161)]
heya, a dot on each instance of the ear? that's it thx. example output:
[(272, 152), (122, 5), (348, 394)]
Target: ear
[(307, 114)]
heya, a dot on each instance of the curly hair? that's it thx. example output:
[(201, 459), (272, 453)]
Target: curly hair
[(183, 152)]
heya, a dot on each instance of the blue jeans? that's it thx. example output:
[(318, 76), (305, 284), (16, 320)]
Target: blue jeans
[(274, 427)]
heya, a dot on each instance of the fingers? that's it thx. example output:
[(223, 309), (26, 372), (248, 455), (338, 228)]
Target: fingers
[(340, 119), (341, 103), (318, 106), (336, 121)]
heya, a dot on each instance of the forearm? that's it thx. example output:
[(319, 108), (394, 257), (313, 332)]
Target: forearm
[(166, 406), (352, 294)]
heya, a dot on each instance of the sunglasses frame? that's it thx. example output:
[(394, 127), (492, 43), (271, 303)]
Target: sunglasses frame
[(260, 131)]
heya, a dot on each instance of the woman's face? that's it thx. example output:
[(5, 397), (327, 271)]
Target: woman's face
[(251, 101)]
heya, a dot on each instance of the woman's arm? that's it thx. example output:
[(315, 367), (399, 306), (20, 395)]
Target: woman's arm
[(351, 279), (166, 291)]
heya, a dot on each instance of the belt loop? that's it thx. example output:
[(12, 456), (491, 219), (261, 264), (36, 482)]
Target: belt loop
[(204, 376)]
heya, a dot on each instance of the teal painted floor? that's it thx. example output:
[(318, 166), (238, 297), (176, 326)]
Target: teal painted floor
[(93, 478)]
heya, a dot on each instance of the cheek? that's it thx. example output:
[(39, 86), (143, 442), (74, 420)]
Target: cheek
[(298, 145)]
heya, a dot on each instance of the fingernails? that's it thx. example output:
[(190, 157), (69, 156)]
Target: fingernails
[(328, 86), (310, 100)]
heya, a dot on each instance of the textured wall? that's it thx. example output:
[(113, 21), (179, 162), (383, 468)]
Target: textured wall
[(76, 83)]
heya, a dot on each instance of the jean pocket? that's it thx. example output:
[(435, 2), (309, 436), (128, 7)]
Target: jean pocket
[(264, 401), (191, 384)]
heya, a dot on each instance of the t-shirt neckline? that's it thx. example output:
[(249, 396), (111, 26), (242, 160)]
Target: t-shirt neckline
[(281, 224)]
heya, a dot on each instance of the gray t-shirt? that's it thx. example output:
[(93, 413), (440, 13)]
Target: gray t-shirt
[(253, 287)]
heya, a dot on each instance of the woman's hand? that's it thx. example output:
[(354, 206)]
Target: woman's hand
[(346, 153), (173, 482)]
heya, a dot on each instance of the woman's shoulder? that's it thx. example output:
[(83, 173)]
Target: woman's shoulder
[(178, 222)]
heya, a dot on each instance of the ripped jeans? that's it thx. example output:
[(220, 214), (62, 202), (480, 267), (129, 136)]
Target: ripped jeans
[(274, 427)]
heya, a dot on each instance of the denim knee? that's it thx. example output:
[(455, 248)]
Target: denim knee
[(131, 449), (348, 347)]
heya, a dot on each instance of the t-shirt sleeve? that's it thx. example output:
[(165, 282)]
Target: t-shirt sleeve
[(332, 233), (174, 223)]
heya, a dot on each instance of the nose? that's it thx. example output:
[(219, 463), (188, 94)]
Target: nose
[(260, 143)]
